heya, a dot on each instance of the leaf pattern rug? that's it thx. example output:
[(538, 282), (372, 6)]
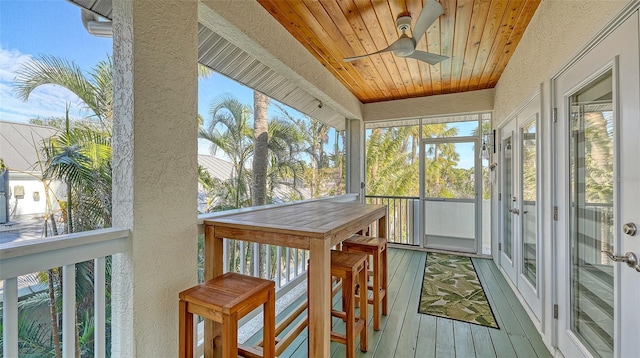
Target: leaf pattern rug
[(451, 289)]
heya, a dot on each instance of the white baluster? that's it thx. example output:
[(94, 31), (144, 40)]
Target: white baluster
[(69, 311), (10, 318), (99, 281)]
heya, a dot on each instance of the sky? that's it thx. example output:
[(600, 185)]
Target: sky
[(31, 28)]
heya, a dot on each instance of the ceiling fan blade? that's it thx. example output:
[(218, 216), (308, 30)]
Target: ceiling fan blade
[(394, 46), (430, 12), (430, 58)]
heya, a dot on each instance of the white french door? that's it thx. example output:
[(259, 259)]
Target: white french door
[(509, 208), (520, 248), (598, 198)]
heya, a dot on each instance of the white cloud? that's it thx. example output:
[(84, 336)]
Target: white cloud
[(10, 62), (45, 101)]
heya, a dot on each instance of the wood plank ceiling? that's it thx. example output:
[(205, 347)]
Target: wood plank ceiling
[(478, 36)]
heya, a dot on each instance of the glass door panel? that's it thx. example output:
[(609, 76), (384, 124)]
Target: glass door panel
[(591, 214), (507, 215), (529, 157), (450, 188)]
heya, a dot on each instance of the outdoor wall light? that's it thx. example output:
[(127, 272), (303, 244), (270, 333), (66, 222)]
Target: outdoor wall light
[(488, 140)]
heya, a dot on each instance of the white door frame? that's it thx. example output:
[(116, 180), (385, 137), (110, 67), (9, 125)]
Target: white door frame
[(617, 52), (527, 113), (478, 186)]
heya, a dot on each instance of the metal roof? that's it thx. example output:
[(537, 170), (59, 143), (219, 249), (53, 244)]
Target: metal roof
[(217, 168), (20, 143)]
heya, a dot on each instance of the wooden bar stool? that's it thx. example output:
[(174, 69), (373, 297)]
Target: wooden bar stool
[(226, 299), (377, 248), (352, 269)]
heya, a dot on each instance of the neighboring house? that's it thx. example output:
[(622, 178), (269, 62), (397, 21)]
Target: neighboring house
[(20, 144), (217, 168), (223, 170)]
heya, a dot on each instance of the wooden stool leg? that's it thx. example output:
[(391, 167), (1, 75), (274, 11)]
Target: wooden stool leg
[(230, 335), (377, 275), (363, 308), (269, 334), (185, 339), (385, 281), (350, 310)]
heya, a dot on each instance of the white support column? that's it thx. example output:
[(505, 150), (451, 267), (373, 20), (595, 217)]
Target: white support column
[(355, 157), (10, 318), (155, 171), (69, 311)]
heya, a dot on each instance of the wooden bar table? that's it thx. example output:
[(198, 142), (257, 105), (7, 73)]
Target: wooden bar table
[(313, 225)]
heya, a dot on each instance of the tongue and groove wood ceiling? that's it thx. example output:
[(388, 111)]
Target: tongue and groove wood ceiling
[(478, 36)]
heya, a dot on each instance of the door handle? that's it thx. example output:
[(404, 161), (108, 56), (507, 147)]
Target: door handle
[(514, 211), (629, 258)]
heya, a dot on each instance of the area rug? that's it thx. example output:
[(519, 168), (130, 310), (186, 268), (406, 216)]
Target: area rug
[(451, 289)]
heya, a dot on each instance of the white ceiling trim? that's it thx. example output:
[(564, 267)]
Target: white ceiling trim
[(223, 57)]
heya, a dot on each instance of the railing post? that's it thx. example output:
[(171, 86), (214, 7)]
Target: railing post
[(69, 311), (10, 318), (99, 302)]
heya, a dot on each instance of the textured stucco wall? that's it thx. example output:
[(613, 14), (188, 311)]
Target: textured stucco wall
[(155, 166), (474, 101), (246, 24), (557, 31), (555, 35)]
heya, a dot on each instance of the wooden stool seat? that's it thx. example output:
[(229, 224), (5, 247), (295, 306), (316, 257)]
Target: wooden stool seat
[(226, 299), (375, 247), (352, 269)]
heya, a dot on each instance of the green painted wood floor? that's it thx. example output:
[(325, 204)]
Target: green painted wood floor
[(406, 333)]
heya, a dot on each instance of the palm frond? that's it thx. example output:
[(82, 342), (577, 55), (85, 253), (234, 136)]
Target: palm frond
[(45, 70)]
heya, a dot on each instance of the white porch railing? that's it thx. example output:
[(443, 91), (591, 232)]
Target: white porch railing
[(25, 257), (31, 256)]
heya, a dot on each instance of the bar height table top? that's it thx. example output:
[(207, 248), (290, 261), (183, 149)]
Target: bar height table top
[(312, 225)]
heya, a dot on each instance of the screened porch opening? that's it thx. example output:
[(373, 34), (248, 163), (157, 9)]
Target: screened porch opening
[(435, 175)]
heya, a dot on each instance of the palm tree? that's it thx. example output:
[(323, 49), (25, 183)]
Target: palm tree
[(80, 157), (95, 91), (285, 168), (390, 171), (314, 137), (260, 148), (230, 131), (217, 194), (259, 162)]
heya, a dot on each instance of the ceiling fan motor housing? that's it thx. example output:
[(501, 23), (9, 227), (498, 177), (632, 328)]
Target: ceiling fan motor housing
[(403, 23)]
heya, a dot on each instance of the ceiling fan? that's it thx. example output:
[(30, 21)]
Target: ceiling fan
[(405, 46)]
